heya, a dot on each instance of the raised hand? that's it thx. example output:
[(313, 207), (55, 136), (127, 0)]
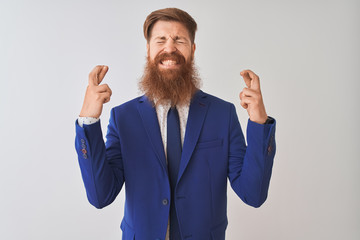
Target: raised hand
[(96, 95), (251, 98)]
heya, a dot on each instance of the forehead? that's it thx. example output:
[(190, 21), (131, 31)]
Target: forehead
[(169, 28)]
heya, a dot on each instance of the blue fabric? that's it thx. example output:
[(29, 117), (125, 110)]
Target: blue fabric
[(173, 158), (214, 150)]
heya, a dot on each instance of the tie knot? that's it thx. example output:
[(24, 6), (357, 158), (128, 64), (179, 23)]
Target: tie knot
[(172, 109)]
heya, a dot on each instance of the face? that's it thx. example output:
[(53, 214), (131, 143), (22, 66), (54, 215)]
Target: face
[(170, 74), (170, 38)]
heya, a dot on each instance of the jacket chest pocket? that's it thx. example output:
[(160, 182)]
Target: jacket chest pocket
[(209, 144)]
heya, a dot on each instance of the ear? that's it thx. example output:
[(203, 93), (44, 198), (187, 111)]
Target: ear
[(193, 49)]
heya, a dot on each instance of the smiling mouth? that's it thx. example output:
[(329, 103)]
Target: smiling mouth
[(168, 63)]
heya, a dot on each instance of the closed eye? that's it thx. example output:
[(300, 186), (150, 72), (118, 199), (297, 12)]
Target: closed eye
[(160, 40)]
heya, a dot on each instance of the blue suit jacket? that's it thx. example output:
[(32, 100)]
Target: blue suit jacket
[(214, 149)]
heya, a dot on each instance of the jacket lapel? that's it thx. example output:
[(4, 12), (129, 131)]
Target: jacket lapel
[(197, 112), (151, 125)]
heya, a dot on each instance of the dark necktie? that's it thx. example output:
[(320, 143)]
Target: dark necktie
[(173, 157)]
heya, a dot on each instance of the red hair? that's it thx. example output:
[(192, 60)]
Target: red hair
[(170, 14)]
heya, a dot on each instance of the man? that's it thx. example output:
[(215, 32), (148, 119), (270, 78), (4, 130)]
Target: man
[(174, 147)]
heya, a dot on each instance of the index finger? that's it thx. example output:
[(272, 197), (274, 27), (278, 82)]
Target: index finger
[(102, 73), (97, 75), (251, 79)]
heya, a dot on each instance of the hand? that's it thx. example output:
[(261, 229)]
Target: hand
[(96, 95), (251, 98)]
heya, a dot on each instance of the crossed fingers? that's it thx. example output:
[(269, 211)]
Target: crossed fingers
[(103, 92)]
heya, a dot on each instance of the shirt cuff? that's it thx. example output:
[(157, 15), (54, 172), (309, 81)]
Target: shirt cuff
[(87, 120), (269, 120)]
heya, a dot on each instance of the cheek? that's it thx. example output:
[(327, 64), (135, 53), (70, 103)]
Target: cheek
[(152, 53), (188, 55), (187, 52)]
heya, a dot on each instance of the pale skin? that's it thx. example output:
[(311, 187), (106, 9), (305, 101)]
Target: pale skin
[(251, 97), (96, 95), (168, 36)]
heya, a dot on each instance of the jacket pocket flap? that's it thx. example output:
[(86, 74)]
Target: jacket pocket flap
[(210, 144)]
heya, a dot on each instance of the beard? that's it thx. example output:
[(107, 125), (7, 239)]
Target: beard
[(176, 86)]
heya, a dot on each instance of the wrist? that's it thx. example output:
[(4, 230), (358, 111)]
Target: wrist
[(89, 114), (259, 120)]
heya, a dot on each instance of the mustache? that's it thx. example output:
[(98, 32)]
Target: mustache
[(175, 56)]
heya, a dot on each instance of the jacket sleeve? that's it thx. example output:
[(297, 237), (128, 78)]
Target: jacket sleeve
[(250, 167), (101, 166)]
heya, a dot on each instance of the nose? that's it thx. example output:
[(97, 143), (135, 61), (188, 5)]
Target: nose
[(170, 46)]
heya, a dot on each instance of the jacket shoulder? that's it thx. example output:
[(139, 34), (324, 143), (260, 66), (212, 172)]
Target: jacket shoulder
[(129, 105), (215, 100)]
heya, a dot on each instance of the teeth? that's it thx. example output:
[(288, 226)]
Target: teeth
[(169, 62)]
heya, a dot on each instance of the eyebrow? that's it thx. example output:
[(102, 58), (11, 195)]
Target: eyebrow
[(178, 38), (160, 37), (173, 38)]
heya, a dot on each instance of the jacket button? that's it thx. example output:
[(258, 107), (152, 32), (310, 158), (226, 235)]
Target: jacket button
[(165, 201)]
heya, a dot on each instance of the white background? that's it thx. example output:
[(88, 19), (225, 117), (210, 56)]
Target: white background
[(307, 54)]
